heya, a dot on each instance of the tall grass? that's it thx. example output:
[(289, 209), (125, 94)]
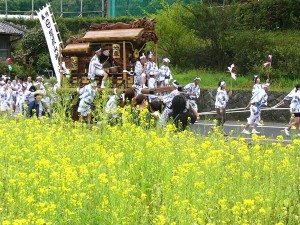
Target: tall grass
[(210, 79)]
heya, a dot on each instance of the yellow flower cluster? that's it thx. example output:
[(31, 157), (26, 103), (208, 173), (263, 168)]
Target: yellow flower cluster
[(70, 173)]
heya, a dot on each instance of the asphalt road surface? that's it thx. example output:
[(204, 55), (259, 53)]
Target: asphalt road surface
[(234, 129)]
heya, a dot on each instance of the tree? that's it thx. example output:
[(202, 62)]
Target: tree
[(176, 41), (211, 24)]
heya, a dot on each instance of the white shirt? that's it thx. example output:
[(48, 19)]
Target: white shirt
[(192, 90), (221, 98), (94, 65)]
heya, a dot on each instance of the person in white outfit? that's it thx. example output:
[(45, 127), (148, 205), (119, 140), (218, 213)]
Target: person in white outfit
[(151, 71), (258, 100), (164, 75), (96, 68), (294, 109), (87, 95), (140, 72), (167, 100), (193, 92), (222, 98)]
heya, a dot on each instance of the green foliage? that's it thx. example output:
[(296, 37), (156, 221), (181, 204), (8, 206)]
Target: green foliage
[(248, 49), (270, 14), (195, 36), (176, 41), (43, 62)]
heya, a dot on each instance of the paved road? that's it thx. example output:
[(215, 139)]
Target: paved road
[(234, 129)]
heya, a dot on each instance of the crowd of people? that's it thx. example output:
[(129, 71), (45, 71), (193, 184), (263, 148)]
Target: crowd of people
[(179, 105), (22, 96)]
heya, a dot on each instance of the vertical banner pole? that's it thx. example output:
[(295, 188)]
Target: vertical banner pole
[(51, 35), (124, 65)]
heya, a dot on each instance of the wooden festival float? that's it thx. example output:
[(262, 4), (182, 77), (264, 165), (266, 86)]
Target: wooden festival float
[(125, 42)]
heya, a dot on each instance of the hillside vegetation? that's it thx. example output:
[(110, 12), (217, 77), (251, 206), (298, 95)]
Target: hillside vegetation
[(198, 36)]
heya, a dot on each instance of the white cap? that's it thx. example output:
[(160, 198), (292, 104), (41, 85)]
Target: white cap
[(39, 77), (197, 78), (166, 60)]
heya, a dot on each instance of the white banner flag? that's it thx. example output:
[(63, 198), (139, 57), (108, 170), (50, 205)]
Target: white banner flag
[(52, 39)]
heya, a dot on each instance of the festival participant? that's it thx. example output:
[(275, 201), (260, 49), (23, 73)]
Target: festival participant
[(193, 92), (289, 97), (257, 86), (37, 107), (140, 104), (11, 94), (20, 100), (29, 82), (140, 72), (96, 68), (87, 95), (222, 98), (40, 85), (151, 71), (257, 101), (295, 109), (182, 113), (165, 74), (29, 95), (167, 100), (5, 102)]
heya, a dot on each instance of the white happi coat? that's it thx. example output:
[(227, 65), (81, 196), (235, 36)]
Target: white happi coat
[(221, 98), (195, 91), (165, 75), (167, 100), (290, 97), (95, 68), (152, 72), (256, 87), (259, 99), (5, 99), (139, 71), (296, 102), (87, 95)]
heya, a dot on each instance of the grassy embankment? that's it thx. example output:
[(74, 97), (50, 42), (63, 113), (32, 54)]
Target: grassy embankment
[(210, 79)]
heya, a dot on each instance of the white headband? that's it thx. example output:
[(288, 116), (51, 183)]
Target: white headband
[(222, 83), (175, 84), (142, 56)]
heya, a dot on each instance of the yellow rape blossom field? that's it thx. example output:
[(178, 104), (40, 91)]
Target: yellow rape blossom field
[(68, 173)]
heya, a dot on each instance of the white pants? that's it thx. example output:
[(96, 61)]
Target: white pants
[(254, 115), (152, 82)]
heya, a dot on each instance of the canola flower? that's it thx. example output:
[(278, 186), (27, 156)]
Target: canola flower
[(68, 173)]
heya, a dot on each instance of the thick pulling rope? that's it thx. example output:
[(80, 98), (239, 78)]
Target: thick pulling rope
[(241, 111)]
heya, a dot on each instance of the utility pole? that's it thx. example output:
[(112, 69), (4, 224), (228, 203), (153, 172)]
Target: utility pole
[(32, 8), (5, 8), (112, 8), (80, 8), (102, 6), (61, 9)]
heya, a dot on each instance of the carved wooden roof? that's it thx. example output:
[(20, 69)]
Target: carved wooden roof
[(77, 48), (138, 35)]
